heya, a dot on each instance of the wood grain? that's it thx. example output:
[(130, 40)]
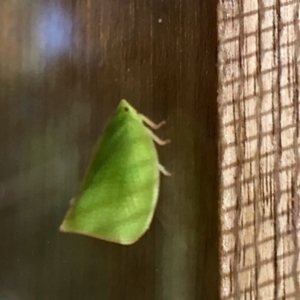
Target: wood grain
[(64, 66), (259, 148)]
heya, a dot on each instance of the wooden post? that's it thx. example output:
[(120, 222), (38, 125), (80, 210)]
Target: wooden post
[(259, 124)]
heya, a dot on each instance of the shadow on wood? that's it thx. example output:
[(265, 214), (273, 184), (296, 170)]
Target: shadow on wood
[(259, 149)]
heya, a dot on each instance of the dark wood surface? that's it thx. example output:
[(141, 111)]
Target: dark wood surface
[(64, 66)]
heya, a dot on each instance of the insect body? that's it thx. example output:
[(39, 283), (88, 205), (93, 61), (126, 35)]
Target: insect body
[(117, 199)]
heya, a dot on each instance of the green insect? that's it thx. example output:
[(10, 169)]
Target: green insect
[(118, 196)]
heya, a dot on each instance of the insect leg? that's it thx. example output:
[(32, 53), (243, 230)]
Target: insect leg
[(151, 123), (158, 140), (163, 170)]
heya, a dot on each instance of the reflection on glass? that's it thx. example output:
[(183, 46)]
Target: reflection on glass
[(54, 29)]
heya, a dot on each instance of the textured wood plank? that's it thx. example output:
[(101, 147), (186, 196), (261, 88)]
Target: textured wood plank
[(259, 124), (64, 66)]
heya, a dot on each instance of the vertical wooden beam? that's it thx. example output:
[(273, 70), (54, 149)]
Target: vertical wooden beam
[(259, 122)]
